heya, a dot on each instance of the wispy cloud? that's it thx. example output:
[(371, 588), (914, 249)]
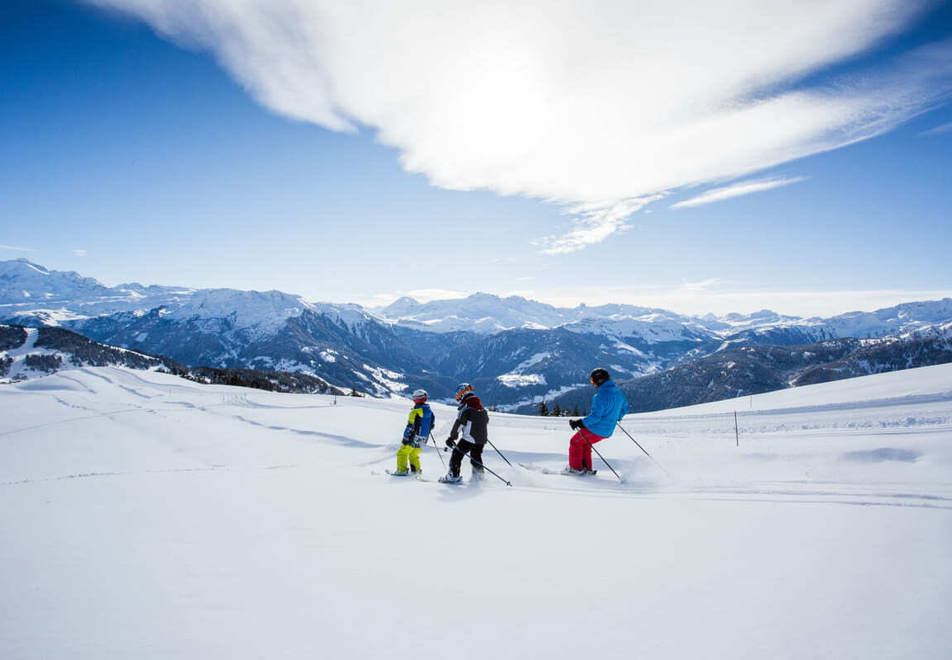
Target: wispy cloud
[(594, 223), (737, 190), (80, 252), (941, 129), (16, 248), (579, 104)]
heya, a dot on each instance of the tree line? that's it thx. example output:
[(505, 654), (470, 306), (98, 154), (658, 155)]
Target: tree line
[(558, 411)]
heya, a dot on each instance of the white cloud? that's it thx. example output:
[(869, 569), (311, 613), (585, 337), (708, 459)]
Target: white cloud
[(737, 190), (941, 129), (79, 252), (586, 104), (595, 222), (16, 248)]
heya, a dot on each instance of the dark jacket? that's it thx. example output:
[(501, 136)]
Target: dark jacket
[(472, 420)]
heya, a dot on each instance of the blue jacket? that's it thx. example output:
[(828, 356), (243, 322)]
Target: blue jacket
[(608, 407), (419, 423)]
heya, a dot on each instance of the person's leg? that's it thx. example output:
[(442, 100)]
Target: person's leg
[(476, 458), (402, 458), (577, 450), (415, 459), (590, 439), (456, 460)]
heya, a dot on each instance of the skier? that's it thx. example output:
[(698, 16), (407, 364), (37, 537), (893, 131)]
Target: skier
[(471, 421), (608, 407), (419, 424)]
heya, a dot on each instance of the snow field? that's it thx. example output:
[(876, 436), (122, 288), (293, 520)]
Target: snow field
[(146, 516)]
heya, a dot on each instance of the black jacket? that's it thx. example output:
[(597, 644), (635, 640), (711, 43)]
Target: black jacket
[(472, 421)]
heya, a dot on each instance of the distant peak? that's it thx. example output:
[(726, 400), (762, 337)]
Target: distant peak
[(29, 264)]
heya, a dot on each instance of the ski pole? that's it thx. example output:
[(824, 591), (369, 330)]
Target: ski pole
[(643, 449), (437, 448), (481, 466), (605, 462), (498, 452)]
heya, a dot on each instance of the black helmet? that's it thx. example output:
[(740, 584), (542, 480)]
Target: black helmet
[(598, 376)]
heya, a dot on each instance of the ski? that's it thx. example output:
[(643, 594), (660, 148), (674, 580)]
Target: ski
[(562, 472), (412, 475)]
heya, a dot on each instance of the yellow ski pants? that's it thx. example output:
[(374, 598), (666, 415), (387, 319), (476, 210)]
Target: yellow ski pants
[(408, 454)]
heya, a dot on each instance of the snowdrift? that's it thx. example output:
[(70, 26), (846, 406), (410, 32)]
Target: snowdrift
[(143, 516)]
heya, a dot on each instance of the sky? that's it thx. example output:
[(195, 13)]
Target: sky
[(723, 157)]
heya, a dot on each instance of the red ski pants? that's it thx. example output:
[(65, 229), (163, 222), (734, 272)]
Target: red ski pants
[(580, 449)]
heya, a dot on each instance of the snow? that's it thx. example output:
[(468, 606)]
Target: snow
[(518, 378), (261, 312), (521, 380), (144, 516)]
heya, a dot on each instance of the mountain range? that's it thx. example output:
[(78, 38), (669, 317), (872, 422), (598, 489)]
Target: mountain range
[(517, 352)]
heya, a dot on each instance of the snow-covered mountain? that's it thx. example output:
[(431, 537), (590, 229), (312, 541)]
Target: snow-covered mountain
[(755, 369), (28, 353), (29, 291), (35, 352), (485, 313), (517, 351)]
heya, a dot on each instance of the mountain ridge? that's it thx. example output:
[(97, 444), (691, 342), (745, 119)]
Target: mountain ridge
[(516, 351)]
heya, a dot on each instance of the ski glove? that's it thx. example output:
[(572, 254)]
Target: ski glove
[(407, 441), (450, 442), (576, 424)]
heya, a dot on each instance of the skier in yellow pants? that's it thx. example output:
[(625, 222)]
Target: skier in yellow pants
[(419, 424)]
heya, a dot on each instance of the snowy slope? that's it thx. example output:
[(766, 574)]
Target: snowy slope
[(143, 516)]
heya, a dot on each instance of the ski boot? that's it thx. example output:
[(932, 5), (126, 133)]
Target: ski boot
[(572, 471)]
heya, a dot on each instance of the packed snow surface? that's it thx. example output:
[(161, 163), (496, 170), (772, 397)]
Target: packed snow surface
[(144, 516)]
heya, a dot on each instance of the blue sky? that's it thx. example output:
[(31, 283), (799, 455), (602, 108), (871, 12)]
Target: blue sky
[(126, 155)]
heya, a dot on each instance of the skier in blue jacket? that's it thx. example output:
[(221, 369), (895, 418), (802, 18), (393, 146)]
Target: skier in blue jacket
[(419, 424), (608, 407)]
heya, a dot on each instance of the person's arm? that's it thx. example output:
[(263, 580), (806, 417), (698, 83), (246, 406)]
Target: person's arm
[(418, 422), (461, 419), (413, 423)]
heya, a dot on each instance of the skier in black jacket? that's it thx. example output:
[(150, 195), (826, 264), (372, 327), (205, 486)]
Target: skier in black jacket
[(471, 423)]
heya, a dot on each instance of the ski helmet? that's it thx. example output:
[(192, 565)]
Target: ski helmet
[(598, 376), (419, 396), (462, 389)]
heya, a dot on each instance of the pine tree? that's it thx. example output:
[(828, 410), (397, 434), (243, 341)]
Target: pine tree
[(543, 409), (576, 412), (557, 410)]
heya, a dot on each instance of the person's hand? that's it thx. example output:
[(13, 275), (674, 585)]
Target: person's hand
[(576, 424), (450, 442), (407, 441)]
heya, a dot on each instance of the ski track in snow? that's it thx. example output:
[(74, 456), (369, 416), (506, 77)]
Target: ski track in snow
[(220, 522), (221, 404)]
